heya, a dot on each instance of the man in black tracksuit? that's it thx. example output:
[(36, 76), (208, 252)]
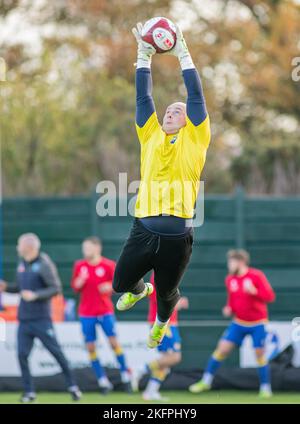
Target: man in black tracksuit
[(37, 281)]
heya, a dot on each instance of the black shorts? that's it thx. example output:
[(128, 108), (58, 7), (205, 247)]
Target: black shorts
[(144, 251)]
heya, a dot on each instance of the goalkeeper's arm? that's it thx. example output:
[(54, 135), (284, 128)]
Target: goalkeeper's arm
[(196, 109), (144, 101), (195, 106)]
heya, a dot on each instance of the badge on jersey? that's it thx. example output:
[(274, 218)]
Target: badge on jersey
[(21, 268), (100, 271), (173, 139), (35, 267)]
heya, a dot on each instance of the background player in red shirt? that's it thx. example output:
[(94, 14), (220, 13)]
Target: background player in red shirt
[(170, 348), (248, 294), (92, 278)]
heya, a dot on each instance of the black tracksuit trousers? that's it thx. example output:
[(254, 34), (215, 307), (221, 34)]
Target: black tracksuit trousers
[(168, 256)]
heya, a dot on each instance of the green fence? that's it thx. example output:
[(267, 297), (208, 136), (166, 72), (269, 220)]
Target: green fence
[(268, 228)]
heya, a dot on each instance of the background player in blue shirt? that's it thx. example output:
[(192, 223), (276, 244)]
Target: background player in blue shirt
[(37, 281)]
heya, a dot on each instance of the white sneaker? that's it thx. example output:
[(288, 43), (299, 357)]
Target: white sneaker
[(125, 377), (154, 396), (105, 386)]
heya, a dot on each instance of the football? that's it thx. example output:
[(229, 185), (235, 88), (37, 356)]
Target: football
[(160, 33)]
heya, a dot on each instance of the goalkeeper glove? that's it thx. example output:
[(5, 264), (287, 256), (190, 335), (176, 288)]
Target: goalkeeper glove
[(181, 51), (145, 50)]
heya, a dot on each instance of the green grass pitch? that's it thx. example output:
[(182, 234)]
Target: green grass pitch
[(213, 397)]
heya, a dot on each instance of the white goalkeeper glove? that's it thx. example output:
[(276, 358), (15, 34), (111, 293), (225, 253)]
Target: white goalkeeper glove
[(145, 50), (181, 51)]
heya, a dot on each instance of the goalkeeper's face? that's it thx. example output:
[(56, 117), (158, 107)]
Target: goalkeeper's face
[(175, 118)]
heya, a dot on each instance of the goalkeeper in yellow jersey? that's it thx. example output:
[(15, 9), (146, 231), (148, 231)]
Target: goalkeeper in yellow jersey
[(172, 158)]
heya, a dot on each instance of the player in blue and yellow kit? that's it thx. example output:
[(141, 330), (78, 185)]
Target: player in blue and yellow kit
[(172, 158)]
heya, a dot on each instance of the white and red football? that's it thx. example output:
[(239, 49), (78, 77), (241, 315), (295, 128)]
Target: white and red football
[(160, 33)]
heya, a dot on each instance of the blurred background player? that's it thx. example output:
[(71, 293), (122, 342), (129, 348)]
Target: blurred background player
[(92, 278), (248, 294), (170, 348), (37, 281), (172, 154)]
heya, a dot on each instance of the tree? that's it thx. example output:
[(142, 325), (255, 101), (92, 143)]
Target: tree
[(68, 107)]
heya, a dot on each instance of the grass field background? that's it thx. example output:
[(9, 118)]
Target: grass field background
[(214, 397)]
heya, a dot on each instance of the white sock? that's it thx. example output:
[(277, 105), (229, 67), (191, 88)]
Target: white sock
[(266, 387), (153, 386), (125, 377), (103, 381), (31, 394), (160, 323), (207, 378)]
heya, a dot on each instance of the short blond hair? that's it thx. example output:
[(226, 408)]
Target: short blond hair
[(93, 239), (239, 254)]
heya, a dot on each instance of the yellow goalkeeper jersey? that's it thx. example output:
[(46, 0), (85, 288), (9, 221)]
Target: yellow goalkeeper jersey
[(171, 167)]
